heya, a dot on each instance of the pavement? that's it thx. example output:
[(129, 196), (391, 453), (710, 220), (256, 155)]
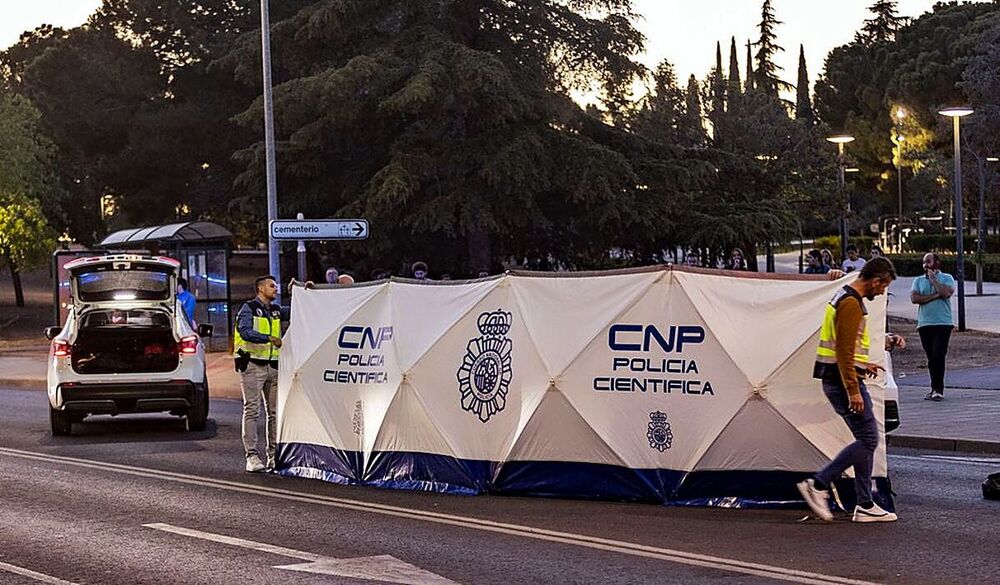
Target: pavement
[(137, 499)]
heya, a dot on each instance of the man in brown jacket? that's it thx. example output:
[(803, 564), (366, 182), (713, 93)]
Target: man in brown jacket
[(842, 362)]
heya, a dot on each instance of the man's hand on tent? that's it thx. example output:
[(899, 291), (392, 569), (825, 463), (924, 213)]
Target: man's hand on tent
[(871, 370)]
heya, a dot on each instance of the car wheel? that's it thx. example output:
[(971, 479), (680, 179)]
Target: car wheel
[(197, 415), (62, 424)]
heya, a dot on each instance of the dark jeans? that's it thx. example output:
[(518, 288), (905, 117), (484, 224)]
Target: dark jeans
[(935, 339), (860, 453)]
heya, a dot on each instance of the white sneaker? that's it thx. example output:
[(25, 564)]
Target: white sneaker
[(817, 499), (873, 514), (254, 464)]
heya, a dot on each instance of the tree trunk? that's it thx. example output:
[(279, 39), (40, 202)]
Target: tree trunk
[(15, 276), (480, 252), (751, 254)]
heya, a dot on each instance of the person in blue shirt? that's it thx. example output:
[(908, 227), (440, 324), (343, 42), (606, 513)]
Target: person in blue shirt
[(186, 299), (932, 293)]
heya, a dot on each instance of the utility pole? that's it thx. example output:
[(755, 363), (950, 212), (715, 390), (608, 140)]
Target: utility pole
[(273, 260)]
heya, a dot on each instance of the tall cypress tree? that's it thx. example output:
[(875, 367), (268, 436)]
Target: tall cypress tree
[(767, 49), (690, 128), (882, 28), (749, 81), (717, 85), (734, 86), (803, 105)]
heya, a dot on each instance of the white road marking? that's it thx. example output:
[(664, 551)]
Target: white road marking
[(976, 461), (581, 540), (385, 568), (33, 574)]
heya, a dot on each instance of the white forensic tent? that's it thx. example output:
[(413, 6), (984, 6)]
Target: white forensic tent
[(665, 384)]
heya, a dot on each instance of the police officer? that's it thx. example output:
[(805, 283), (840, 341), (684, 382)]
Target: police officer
[(842, 363), (256, 347)]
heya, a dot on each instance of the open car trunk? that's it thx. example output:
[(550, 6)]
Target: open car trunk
[(124, 341)]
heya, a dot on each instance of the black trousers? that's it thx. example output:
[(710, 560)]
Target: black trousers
[(935, 339)]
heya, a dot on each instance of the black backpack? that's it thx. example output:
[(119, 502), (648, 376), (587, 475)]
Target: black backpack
[(991, 487)]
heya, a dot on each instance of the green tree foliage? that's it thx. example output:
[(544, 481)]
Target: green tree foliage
[(734, 87), (26, 241), (918, 68), (449, 125)]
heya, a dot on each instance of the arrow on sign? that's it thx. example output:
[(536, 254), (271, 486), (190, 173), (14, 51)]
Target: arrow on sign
[(385, 568), (359, 228)]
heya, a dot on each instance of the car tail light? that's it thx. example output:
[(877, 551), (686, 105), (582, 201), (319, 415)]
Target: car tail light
[(60, 348), (189, 344)]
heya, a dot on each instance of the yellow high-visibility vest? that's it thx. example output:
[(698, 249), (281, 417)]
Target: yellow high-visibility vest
[(826, 353), (265, 322)]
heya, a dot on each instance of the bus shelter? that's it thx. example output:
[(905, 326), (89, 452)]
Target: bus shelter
[(202, 248)]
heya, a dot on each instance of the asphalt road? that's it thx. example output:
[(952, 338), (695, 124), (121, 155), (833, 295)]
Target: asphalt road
[(138, 500)]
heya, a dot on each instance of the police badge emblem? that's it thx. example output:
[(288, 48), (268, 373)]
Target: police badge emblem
[(485, 373), (659, 434)]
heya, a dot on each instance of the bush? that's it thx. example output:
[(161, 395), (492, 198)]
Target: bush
[(946, 243), (912, 265)]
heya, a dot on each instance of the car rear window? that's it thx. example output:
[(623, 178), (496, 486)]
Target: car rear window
[(125, 318), (135, 283)]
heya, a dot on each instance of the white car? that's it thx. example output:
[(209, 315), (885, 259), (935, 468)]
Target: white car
[(126, 346)]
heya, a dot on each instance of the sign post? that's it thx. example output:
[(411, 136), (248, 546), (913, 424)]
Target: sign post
[(301, 229), (319, 229)]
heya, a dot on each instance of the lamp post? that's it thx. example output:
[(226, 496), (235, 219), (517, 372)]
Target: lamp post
[(956, 114), (981, 226), (900, 116), (273, 261), (840, 140)]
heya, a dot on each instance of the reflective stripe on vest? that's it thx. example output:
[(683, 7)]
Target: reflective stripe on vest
[(826, 353), (265, 325)]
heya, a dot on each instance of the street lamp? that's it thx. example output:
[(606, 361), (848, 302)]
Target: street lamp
[(956, 114), (981, 224), (273, 262), (898, 140), (840, 140)]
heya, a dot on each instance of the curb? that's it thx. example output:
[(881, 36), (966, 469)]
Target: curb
[(944, 444)]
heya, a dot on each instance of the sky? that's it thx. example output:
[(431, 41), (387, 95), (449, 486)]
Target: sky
[(683, 31)]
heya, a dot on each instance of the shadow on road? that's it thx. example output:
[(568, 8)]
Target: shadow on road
[(145, 429)]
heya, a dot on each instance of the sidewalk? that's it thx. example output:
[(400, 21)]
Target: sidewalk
[(967, 420)]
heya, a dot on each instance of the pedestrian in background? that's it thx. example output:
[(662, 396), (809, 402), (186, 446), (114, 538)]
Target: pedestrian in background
[(331, 275), (186, 299), (854, 260), (816, 263), (842, 364), (419, 270), (828, 258), (932, 293), (737, 261)]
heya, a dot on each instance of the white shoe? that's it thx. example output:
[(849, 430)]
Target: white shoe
[(873, 514), (254, 464), (817, 499)]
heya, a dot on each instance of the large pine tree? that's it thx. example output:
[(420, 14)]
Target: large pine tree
[(884, 24), (717, 89)]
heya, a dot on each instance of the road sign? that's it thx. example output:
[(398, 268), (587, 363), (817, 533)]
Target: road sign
[(319, 229)]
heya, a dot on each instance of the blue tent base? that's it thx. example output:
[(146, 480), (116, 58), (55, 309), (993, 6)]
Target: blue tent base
[(591, 481)]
